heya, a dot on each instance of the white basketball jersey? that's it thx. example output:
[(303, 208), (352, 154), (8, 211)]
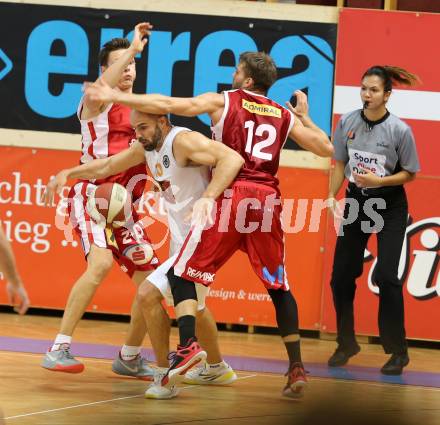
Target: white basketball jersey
[(180, 187)]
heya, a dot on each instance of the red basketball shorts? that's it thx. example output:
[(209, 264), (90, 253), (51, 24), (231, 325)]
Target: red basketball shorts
[(124, 243), (247, 217)]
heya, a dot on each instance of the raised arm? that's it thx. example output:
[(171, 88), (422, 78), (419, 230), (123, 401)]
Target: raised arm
[(97, 169), (157, 103), (305, 132), (112, 74)]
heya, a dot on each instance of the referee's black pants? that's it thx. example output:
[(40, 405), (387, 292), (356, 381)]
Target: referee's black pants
[(348, 265)]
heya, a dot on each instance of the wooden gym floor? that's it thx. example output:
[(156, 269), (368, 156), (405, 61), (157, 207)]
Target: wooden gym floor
[(32, 395)]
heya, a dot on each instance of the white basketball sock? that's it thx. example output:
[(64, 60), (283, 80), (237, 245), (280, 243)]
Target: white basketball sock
[(59, 340), (129, 352)]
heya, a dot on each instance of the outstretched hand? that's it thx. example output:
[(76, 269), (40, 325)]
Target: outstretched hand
[(55, 185), (99, 91), (302, 107), (202, 212), (141, 31)]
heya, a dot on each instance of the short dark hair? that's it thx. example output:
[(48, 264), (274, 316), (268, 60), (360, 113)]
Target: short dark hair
[(261, 68), (111, 46)]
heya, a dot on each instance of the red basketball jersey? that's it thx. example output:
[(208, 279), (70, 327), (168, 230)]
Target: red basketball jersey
[(256, 127), (108, 134)]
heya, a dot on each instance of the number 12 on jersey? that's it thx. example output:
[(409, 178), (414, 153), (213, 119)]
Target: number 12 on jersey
[(256, 149)]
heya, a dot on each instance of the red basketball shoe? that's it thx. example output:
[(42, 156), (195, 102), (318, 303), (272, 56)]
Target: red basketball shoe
[(296, 381), (183, 359)]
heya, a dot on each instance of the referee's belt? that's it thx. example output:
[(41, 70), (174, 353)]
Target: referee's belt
[(373, 191)]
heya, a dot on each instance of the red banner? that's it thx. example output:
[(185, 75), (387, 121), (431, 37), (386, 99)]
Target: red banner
[(50, 260), (48, 257)]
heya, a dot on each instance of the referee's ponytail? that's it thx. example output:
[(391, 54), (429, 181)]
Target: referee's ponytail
[(391, 75)]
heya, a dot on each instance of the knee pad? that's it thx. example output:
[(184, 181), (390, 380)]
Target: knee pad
[(181, 288)]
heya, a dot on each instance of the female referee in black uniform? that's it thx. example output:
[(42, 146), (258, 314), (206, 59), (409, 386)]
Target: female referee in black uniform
[(376, 152)]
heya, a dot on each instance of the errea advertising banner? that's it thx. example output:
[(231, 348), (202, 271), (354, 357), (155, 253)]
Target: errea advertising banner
[(54, 50)]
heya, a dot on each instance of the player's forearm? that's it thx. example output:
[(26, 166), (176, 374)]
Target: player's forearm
[(336, 179), (161, 105), (397, 179), (323, 144), (96, 169), (114, 72), (7, 261), (307, 122), (148, 103), (315, 141), (224, 174)]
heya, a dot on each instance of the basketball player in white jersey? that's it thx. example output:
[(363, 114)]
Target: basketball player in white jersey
[(105, 131), (179, 160)]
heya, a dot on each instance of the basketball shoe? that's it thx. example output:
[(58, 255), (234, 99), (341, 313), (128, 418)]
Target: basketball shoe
[(157, 391), (221, 374), (137, 367), (296, 381), (61, 360), (182, 360)]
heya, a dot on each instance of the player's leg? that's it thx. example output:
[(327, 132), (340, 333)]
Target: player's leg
[(287, 320), (133, 251), (265, 248), (151, 294), (157, 320), (99, 263), (203, 252), (207, 334), (271, 271), (129, 361), (188, 352), (215, 371), (137, 328)]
